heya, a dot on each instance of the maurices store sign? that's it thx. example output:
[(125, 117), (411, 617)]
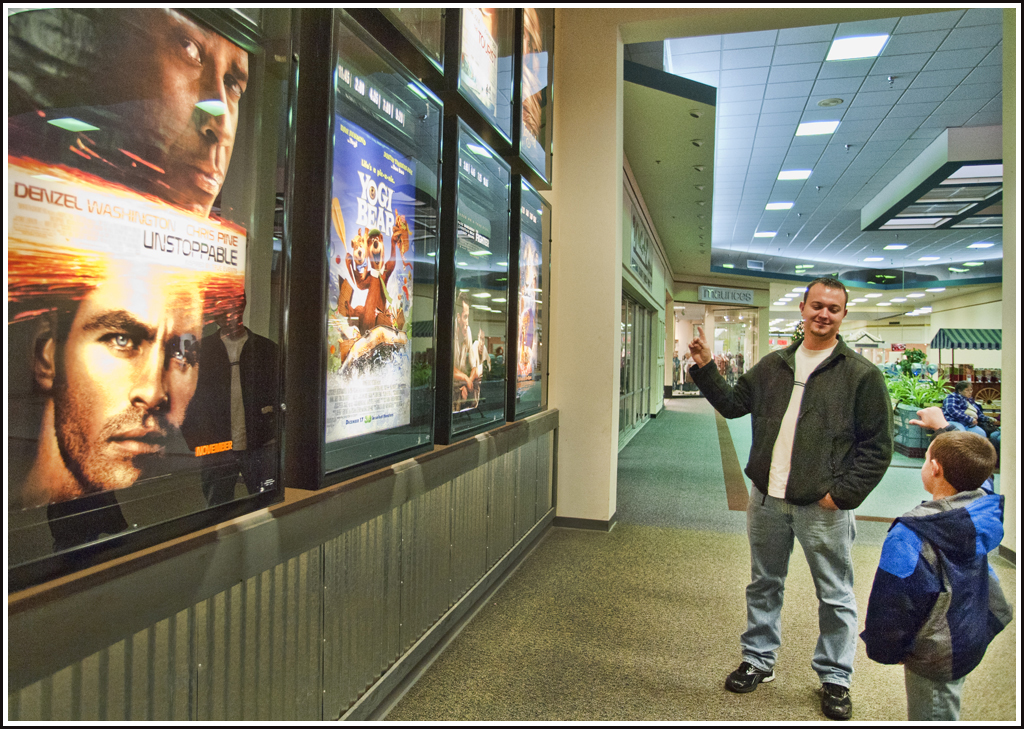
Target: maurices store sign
[(718, 295)]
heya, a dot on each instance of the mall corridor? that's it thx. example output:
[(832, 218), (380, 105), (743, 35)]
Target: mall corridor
[(642, 623)]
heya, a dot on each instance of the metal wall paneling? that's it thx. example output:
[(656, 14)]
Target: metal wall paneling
[(500, 507), (362, 609), (258, 647), (469, 532), (526, 488), (545, 474), (426, 561)]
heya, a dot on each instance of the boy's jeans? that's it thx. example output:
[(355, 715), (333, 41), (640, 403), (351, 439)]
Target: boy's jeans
[(826, 537), (929, 700)]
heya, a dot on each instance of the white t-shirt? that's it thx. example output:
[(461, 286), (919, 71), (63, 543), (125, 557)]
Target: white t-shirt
[(807, 360)]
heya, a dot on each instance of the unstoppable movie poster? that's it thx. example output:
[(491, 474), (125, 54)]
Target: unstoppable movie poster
[(117, 256), (369, 372)]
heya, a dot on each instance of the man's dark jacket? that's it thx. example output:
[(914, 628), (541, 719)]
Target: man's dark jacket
[(843, 440), (208, 419)]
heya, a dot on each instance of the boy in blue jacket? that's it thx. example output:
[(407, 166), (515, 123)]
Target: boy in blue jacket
[(936, 604)]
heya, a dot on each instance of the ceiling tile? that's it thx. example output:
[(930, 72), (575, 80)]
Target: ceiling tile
[(915, 43), (980, 16), (788, 118), (994, 58), (968, 90), (986, 118), (866, 27), (846, 69), (795, 72), (947, 78), (875, 98), (744, 77), (746, 58), (931, 94), (985, 75), (696, 63), (913, 63), (710, 78), (963, 58), (680, 46), (928, 21), (911, 110), (741, 93), (750, 40), (803, 53), (789, 36), (840, 87), (775, 106), (799, 89)]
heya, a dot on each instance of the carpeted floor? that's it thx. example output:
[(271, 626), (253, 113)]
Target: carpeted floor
[(642, 623)]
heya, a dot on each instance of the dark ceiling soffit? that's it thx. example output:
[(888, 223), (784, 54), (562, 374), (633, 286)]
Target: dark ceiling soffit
[(669, 83), (930, 183), (856, 284)]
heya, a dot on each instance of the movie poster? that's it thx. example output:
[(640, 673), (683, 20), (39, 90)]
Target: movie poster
[(528, 361), (535, 81), (371, 251), (117, 253), (479, 68)]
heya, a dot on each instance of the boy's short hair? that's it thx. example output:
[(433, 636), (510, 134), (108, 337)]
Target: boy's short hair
[(967, 459)]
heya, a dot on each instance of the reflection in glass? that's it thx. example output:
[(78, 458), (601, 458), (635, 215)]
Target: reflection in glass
[(530, 348), (424, 27), (485, 67), (481, 280), (538, 38)]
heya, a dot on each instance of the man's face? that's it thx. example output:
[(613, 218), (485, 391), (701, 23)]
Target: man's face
[(125, 376), (184, 83), (823, 312), (464, 321)]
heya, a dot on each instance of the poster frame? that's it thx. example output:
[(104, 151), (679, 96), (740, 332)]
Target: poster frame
[(538, 177), (328, 474), (515, 411), (240, 31)]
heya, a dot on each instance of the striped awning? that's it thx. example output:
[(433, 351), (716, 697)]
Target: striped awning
[(968, 339)]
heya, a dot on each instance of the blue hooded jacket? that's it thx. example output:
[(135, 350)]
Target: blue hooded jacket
[(936, 604)]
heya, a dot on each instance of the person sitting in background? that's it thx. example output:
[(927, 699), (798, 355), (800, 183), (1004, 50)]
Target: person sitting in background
[(965, 414)]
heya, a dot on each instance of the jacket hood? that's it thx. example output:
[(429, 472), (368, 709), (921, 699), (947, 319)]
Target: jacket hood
[(961, 526)]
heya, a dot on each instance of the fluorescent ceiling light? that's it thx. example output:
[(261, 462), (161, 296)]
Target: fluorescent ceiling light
[(482, 295), (895, 247), (883, 303), (72, 125), (865, 46), (727, 265), (954, 269), (929, 258), (779, 206), (898, 300), (914, 296), (794, 174), (876, 258), (972, 264), (800, 290), (859, 301), (872, 296), (431, 254), (935, 291), (807, 129), (851, 303), (805, 265), (981, 245), (764, 234), (480, 253), (477, 149)]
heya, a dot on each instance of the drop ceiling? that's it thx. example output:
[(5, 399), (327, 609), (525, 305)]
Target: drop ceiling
[(936, 71)]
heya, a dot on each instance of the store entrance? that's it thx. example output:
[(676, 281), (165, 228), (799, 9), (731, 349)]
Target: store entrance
[(634, 366)]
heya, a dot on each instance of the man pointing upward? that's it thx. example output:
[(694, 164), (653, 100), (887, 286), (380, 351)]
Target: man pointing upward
[(822, 440)]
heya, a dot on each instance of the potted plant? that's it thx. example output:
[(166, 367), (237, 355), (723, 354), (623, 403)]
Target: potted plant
[(910, 393)]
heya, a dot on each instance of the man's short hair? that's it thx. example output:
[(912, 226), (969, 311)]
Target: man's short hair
[(962, 385), (967, 459), (829, 283)]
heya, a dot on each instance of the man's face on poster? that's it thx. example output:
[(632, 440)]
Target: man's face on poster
[(463, 327), (183, 84), (124, 376)]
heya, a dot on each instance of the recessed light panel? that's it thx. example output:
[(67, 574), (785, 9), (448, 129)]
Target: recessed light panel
[(873, 259), (865, 46), (764, 234), (794, 174), (929, 258), (981, 245), (895, 247), (779, 206), (807, 129)]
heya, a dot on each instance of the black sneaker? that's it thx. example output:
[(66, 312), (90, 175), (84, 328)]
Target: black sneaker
[(745, 678), (835, 701)]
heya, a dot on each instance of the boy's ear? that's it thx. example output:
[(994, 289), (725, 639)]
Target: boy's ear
[(44, 353), (937, 471)]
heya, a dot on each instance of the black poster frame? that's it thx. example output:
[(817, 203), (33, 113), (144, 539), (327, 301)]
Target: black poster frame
[(240, 31)]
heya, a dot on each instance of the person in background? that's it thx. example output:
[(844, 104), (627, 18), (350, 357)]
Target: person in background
[(960, 409)]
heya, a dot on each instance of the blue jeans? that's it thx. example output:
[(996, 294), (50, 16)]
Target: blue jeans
[(976, 429), (930, 700), (826, 537)]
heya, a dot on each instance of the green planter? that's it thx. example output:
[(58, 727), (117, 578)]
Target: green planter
[(910, 440)]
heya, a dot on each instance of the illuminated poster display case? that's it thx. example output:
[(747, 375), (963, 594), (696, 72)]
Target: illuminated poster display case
[(381, 256), (424, 27), (479, 258), (528, 357), (481, 50), (144, 270), (533, 89)]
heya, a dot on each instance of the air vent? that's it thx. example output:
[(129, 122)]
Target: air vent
[(755, 265)]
